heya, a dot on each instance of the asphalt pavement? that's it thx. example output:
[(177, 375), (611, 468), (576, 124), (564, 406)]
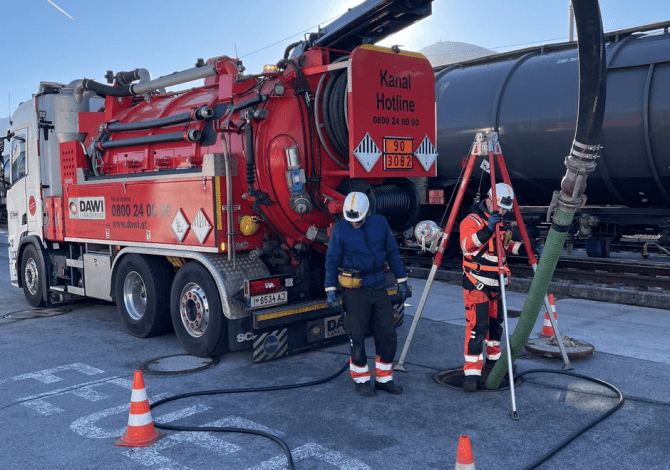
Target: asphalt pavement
[(66, 379)]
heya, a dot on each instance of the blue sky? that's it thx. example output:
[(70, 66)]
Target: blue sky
[(40, 43)]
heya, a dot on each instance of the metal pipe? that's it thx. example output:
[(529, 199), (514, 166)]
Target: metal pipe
[(176, 78), (229, 203)]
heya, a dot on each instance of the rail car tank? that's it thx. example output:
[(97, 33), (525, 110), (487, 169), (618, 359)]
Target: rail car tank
[(530, 98)]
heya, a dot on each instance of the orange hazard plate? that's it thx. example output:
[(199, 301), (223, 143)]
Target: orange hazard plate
[(398, 153)]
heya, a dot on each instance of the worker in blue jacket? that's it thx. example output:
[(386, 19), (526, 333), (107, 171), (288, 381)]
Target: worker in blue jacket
[(359, 245)]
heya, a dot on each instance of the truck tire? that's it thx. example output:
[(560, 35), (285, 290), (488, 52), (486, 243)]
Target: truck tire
[(142, 291), (197, 316), (32, 276)]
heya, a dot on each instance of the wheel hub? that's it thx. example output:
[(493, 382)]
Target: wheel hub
[(134, 295), (31, 276), (194, 310)]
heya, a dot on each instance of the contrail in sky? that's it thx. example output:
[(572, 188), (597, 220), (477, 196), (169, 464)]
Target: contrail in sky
[(60, 9)]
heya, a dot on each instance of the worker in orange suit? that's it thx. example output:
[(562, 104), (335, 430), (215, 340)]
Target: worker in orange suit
[(481, 283)]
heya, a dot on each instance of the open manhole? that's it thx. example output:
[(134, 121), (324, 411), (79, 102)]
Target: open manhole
[(36, 313), (454, 379), (548, 347), (178, 364)]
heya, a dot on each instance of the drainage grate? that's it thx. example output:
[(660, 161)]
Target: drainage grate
[(178, 364)]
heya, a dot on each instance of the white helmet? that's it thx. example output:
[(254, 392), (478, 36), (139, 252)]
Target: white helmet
[(356, 207), (504, 196)]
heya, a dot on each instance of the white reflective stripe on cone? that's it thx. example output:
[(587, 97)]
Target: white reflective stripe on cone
[(139, 395), (139, 420)]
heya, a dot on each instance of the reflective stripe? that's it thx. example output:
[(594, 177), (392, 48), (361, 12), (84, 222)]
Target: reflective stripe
[(475, 240), (358, 373), (404, 279), (358, 369), (139, 420), (474, 358), (492, 343), (382, 365), (493, 357), (383, 371), (476, 372), (139, 395)]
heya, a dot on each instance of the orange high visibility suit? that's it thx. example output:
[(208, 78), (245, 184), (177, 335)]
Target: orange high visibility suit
[(481, 288)]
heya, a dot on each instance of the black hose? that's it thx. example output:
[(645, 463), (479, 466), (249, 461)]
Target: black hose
[(289, 48), (581, 431), (126, 78), (283, 445), (592, 73), (249, 150), (149, 124), (106, 90), (192, 135)]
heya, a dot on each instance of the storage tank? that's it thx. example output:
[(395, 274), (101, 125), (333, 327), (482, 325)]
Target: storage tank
[(530, 98)]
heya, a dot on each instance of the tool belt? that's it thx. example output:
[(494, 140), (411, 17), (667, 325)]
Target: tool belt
[(350, 278)]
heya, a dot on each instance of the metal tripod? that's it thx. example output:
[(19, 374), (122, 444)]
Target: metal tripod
[(484, 145)]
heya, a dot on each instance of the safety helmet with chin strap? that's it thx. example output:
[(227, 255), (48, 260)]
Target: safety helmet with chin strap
[(356, 206), (504, 196)]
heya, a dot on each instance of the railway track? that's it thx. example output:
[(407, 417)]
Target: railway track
[(623, 280)]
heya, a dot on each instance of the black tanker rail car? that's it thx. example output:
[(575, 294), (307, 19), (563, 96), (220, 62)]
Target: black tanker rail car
[(530, 98)]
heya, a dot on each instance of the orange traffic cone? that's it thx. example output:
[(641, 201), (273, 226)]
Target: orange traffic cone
[(547, 329), (464, 459), (140, 432)]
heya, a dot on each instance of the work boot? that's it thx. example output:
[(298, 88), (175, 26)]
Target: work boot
[(364, 389), (389, 386), (470, 384)]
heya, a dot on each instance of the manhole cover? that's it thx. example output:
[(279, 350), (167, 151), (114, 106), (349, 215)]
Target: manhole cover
[(454, 379), (36, 313), (548, 347), (178, 364)]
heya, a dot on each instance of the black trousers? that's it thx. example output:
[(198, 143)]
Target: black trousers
[(369, 309)]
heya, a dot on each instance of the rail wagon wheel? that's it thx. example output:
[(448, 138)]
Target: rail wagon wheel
[(142, 293), (197, 316), (32, 276)]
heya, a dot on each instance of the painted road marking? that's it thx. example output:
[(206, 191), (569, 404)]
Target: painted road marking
[(49, 376), (38, 402)]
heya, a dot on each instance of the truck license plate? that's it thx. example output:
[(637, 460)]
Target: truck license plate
[(267, 300)]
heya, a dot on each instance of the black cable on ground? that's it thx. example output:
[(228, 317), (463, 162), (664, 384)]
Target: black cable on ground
[(283, 445), (581, 431)]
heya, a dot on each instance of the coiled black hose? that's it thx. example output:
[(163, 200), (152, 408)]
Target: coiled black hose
[(281, 443)]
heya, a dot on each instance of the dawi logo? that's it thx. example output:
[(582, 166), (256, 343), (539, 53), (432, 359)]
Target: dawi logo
[(90, 208)]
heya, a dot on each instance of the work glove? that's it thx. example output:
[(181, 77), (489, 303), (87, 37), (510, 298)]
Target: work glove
[(333, 301), (494, 220), (403, 291)]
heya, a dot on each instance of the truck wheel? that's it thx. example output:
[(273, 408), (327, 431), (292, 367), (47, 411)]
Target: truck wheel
[(197, 316), (142, 295), (32, 277)]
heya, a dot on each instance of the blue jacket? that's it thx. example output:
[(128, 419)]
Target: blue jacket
[(364, 249)]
